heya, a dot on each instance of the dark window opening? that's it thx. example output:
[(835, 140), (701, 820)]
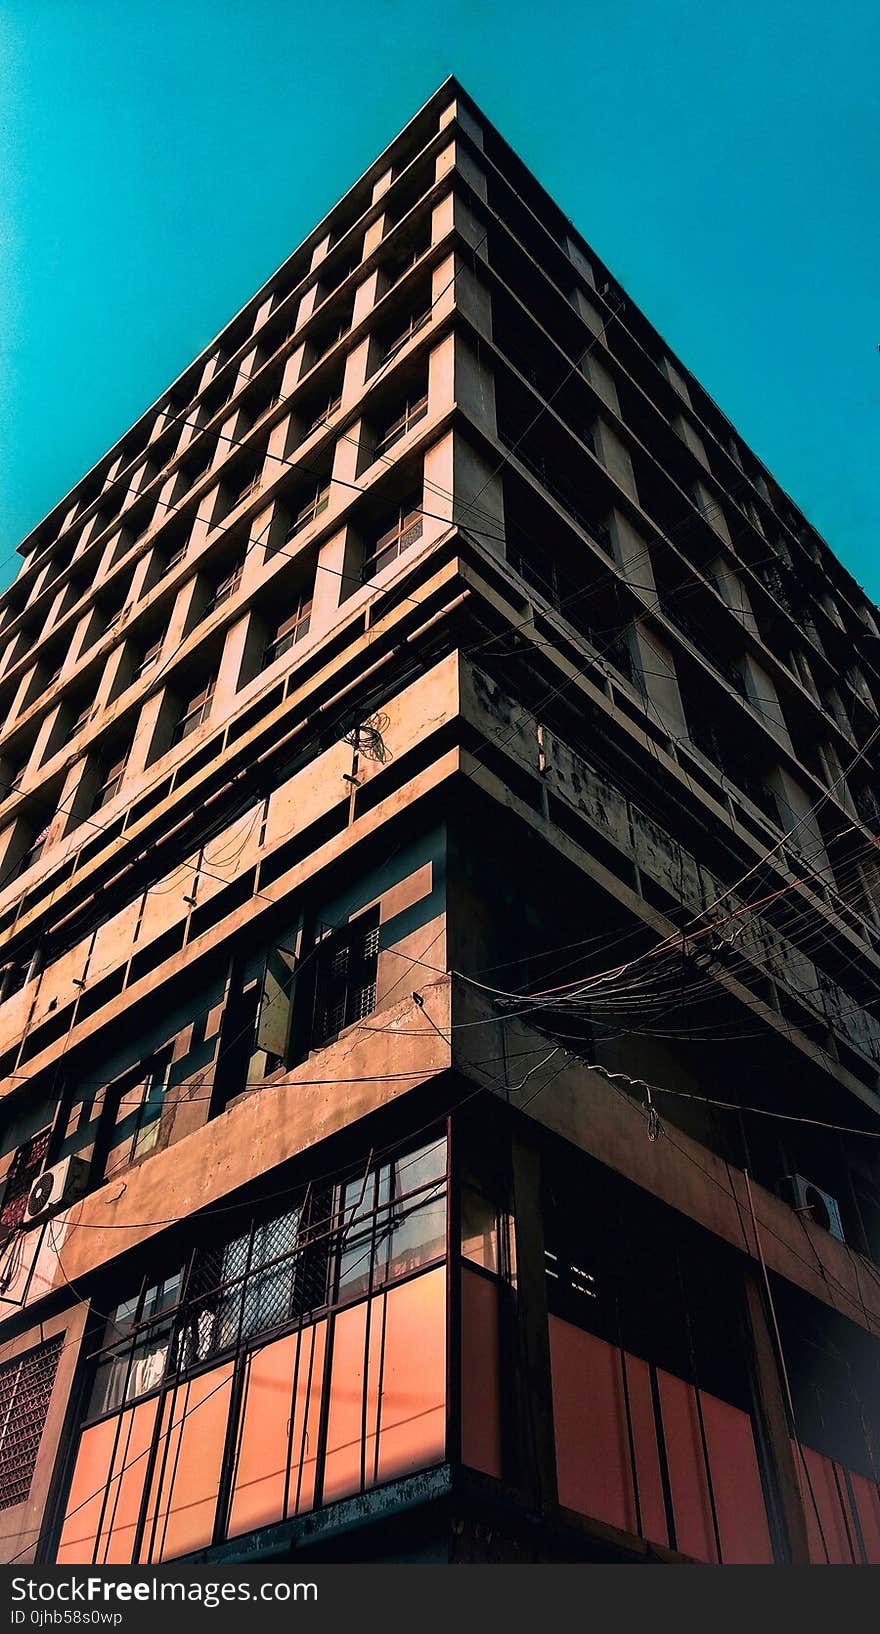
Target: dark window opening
[(345, 983)]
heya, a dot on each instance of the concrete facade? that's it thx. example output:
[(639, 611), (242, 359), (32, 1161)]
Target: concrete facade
[(441, 932)]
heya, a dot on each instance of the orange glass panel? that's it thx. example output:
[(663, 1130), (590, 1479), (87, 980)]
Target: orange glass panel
[(186, 1476), (827, 1535), (593, 1466), (868, 1504), (281, 1411), (736, 1485), (480, 1374), (107, 1488), (652, 1509), (345, 1420), (412, 1422), (688, 1481)]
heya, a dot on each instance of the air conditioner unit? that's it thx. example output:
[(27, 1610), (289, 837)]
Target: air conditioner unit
[(61, 1184), (817, 1205)]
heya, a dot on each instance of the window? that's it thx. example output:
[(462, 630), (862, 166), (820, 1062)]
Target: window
[(25, 1391), (404, 532), (246, 483), (267, 407), (289, 631), (270, 1328), (414, 410), (35, 849), (345, 983), (195, 468), (414, 323), (176, 557), (326, 343), (26, 1165), (112, 780), (313, 507), (327, 1247), (149, 657), (326, 412), (195, 712), (82, 718), (226, 588)]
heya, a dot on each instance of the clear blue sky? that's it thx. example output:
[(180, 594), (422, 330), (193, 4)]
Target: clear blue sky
[(158, 158)]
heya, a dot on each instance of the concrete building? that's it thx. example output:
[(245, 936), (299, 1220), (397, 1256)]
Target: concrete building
[(439, 902)]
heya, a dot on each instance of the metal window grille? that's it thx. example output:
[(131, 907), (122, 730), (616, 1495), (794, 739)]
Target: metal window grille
[(23, 1170), (25, 1390), (345, 989)]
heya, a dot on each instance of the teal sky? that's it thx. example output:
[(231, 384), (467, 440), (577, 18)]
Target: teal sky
[(159, 158)]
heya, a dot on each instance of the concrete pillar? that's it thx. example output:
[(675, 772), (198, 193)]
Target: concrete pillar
[(363, 359), (615, 458), (676, 379), (657, 665), (183, 618), (454, 214), (457, 157), (263, 312), (209, 369), (790, 1520), (347, 462), (602, 382), (338, 576), (691, 437), (65, 598), (762, 692), (531, 1380), (239, 663), (473, 383), (382, 185), (366, 295), (733, 590), (455, 286), (579, 260), (632, 555), (114, 676), (77, 794), (375, 234), (320, 250), (51, 735), (152, 734), (294, 369), (794, 805), (712, 510), (309, 303)]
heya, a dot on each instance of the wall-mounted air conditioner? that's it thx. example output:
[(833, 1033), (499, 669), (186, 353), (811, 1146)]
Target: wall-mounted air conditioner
[(813, 1203), (61, 1184)]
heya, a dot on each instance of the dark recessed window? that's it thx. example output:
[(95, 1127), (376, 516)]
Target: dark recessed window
[(404, 532), (345, 983), (195, 711), (413, 411), (289, 631)]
